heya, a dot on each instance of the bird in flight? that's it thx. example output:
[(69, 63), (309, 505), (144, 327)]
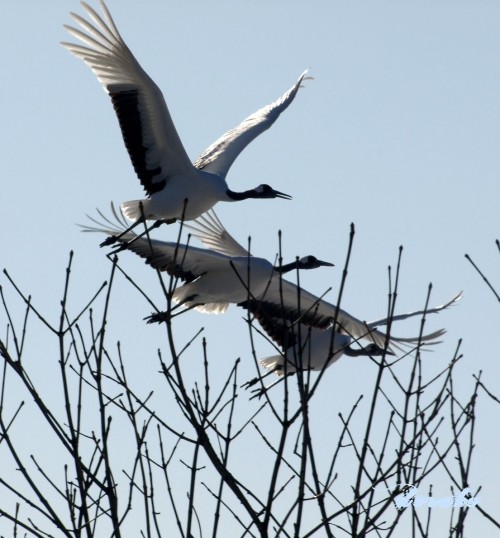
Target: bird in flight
[(176, 188), (307, 348), (212, 280)]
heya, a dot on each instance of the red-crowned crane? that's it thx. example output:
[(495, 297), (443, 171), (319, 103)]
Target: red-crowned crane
[(212, 279), (176, 188)]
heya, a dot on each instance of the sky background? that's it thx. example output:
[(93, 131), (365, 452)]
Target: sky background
[(398, 133)]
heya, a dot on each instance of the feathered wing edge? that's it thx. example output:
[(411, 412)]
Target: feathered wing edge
[(148, 131), (220, 155), (425, 339), (435, 310), (211, 232), (108, 226)]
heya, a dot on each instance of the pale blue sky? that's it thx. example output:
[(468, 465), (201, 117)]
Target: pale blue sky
[(398, 132)]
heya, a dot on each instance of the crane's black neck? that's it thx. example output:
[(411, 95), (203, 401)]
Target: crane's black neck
[(287, 267), (237, 196)]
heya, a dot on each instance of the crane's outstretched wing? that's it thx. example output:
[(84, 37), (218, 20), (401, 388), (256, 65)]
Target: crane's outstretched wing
[(219, 157), (284, 306), (148, 131), (284, 300)]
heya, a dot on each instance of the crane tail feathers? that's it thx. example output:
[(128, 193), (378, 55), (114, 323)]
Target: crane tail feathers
[(135, 209), (274, 363)]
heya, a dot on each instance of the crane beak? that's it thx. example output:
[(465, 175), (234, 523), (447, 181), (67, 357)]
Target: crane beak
[(278, 194), (326, 264)]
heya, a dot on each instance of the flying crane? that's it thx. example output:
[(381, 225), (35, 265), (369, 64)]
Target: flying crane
[(176, 188), (212, 280)]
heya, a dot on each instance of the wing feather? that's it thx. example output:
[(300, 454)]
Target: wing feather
[(210, 231), (219, 156), (401, 317), (148, 131), (182, 261)]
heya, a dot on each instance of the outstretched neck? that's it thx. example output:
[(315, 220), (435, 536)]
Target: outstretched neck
[(262, 191), (237, 196), (287, 267)]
